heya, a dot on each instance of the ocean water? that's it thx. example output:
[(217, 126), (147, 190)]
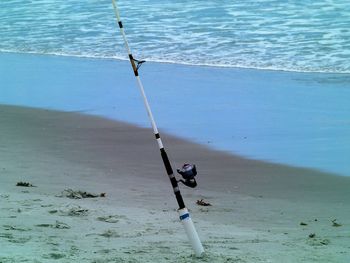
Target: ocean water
[(298, 35), (292, 105)]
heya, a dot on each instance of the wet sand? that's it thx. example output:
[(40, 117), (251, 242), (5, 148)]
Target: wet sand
[(261, 212)]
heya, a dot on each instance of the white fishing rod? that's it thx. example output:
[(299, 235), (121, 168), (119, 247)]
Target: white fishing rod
[(188, 171)]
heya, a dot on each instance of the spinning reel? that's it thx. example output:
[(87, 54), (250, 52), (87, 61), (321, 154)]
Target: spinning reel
[(188, 173)]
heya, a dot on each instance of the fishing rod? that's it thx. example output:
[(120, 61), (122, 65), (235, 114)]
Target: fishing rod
[(188, 171)]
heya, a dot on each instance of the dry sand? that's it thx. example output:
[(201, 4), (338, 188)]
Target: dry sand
[(256, 213)]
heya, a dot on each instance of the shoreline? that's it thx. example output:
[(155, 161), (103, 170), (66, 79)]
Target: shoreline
[(256, 207), (182, 150), (120, 59)]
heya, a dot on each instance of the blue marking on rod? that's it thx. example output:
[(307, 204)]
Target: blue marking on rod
[(184, 216)]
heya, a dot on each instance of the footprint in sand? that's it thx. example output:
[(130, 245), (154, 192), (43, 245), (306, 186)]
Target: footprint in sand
[(111, 218), (15, 228), (54, 256), (318, 242), (11, 237), (14, 239), (109, 233), (73, 210), (57, 225)]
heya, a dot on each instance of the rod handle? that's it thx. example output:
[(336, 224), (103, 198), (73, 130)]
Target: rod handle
[(191, 231)]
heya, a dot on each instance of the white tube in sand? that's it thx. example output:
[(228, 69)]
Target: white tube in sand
[(191, 231)]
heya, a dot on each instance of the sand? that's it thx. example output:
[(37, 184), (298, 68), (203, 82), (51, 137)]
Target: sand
[(260, 212)]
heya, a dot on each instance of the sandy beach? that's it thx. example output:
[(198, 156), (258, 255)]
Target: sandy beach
[(254, 93), (260, 212)]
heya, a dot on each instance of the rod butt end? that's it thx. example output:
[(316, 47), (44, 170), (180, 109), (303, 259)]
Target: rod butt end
[(191, 232)]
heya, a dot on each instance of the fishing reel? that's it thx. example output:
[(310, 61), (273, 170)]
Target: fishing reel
[(188, 173)]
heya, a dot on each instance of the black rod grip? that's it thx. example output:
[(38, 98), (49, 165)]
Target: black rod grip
[(166, 162)]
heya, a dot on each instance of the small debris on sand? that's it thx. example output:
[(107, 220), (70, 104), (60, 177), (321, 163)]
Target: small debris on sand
[(303, 224), (61, 225), (58, 225), (109, 219), (110, 234), (24, 184), (80, 194), (202, 203), (335, 223), (325, 242), (315, 242), (312, 235), (73, 210), (77, 212)]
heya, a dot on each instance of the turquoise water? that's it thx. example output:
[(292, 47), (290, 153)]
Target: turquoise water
[(299, 35)]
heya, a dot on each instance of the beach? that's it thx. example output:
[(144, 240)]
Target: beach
[(255, 94), (261, 212)]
